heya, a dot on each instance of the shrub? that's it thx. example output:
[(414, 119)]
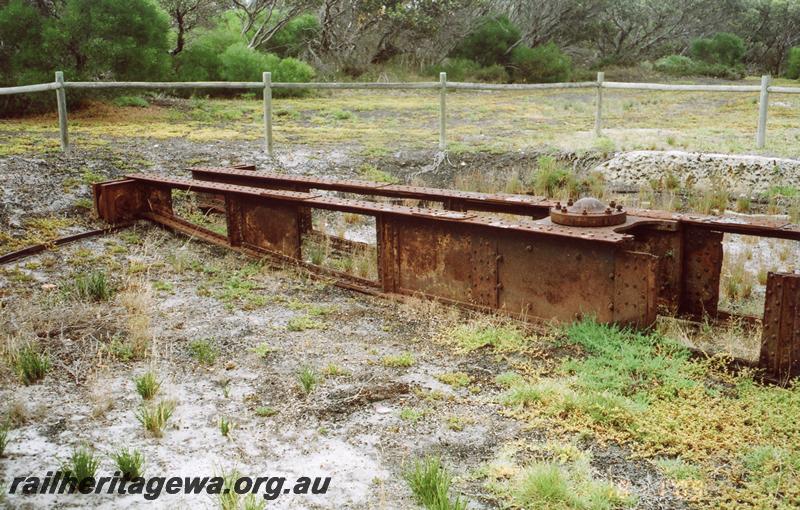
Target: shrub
[(136, 101), (290, 40), (240, 63), (201, 60), (457, 69), (492, 74), (680, 65), (793, 63), (724, 48), (542, 64), (488, 44), (291, 70), (676, 65)]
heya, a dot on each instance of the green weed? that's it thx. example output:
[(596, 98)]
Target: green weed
[(203, 350), (307, 378), (403, 360)]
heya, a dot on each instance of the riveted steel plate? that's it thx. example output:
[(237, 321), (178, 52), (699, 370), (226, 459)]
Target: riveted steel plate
[(780, 345), (702, 263), (635, 288), (548, 278)]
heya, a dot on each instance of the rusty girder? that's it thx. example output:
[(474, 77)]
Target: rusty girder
[(487, 251)]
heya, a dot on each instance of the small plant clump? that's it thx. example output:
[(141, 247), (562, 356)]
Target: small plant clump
[(403, 360), (154, 418), (302, 323), (266, 411), (130, 463), (93, 286), (82, 464), (225, 426), (307, 378), (30, 364), (3, 438), (203, 350), (430, 483), (147, 385)]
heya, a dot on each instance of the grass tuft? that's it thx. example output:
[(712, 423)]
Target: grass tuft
[(225, 426), (92, 286), (403, 360), (430, 483), (266, 411), (307, 378), (82, 464), (455, 379), (130, 463), (203, 350), (483, 333), (3, 438), (30, 364), (154, 418), (147, 385)]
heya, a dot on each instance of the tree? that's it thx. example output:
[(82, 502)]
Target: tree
[(490, 42), (187, 15), (355, 33), (561, 21), (625, 31), (262, 19), (120, 39), (770, 27)]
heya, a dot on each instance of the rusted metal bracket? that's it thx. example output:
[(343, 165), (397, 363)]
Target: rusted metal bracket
[(486, 251)]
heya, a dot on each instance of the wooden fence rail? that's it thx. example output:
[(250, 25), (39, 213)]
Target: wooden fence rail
[(267, 86)]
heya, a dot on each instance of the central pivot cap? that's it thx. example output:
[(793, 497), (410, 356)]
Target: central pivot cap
[(588, 212)]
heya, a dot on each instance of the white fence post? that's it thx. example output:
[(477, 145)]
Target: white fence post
[(267, 77), (442, 111), (598, 112), (763, 105), (61, 100)]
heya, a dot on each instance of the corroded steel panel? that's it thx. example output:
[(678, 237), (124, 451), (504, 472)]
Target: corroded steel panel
[(157, 199), (780, 344), (117, 201), (546, 278), (702, 264), (667, 246), (434, 260), (270, 226), (635, 288)]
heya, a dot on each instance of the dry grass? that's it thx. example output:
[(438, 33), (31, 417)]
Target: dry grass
[(137, 301), (487, 121)]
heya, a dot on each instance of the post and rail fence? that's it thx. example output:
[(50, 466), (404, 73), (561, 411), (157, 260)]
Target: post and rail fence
[(267, 85)]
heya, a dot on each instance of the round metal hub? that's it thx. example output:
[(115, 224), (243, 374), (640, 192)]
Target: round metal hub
[(587, 212)]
